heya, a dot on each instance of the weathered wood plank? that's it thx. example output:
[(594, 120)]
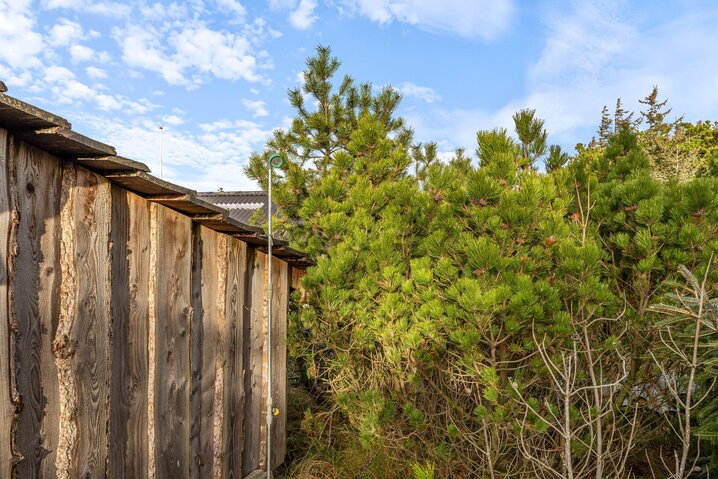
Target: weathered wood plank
[(92, 219), (7, 388), (36, 308), (130, 284), (206, 291), (64, 142), (111, 164), (253, 351), (24, 116), (281, 280), (237, 267), (220, 339), (172, 347), (265, 376)]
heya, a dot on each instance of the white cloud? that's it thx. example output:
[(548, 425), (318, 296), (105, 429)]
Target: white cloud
[(81, 53), (20, 43), (257, 107), (424, 93), (110, 9), (206, 161), (303, 16), (95, 73), (65, 33), (591, 56), (224, 55), (232, 6), (194, 51), (486, 19), (141, 48), (174, 120)]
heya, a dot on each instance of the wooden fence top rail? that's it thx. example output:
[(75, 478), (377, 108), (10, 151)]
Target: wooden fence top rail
[(53, 134)]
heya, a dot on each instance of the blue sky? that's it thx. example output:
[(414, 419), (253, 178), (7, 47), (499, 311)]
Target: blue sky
[(214, 73)]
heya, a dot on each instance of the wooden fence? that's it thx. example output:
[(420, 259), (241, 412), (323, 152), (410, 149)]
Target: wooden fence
[(132, 339)]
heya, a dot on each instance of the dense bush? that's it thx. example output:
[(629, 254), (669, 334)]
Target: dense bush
[(491, 319)]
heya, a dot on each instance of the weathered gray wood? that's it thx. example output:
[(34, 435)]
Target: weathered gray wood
[(266, 374), (7, 408), (207, 291), (172, 347), (92, 219), (130, 278), (36, 308), (281, 280), (253, 361), (66, 143), (20, 115), (111, 164), (234, 405)]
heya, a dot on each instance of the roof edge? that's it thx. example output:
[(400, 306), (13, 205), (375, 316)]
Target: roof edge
[(54, 134)]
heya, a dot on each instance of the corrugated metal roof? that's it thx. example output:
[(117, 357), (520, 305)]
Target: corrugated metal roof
[(240, 204)]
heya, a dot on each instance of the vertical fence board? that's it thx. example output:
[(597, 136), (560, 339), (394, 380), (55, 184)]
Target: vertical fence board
[(7, 408), (220, 365), (130, 276), (36, 305), (280, 301), (253, 362), (264, 358), (234, 377), (92, 218), (172, 347), (206, 291), (141, 337)]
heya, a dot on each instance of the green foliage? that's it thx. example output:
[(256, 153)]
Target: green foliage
[(532, 136), (437, 283)]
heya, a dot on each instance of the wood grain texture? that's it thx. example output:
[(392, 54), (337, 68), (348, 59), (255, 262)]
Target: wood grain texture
[(36, 308), (281, 279), (64, 342), (92, 320), (130, 283), (265, 374), (253, 351), (220, 359), (234, 403), (172, 347), (7, 407), (206, 290)]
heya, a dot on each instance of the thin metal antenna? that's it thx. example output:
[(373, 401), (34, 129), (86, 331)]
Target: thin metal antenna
[(275, 161), (162, 129)]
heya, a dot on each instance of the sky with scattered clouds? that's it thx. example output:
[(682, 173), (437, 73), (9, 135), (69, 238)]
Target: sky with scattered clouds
[(214, 73)]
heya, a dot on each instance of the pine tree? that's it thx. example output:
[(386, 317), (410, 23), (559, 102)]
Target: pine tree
[(606, 129), (656, 113), (532, 136), (321, 130), (623, 119), (557, 158)]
